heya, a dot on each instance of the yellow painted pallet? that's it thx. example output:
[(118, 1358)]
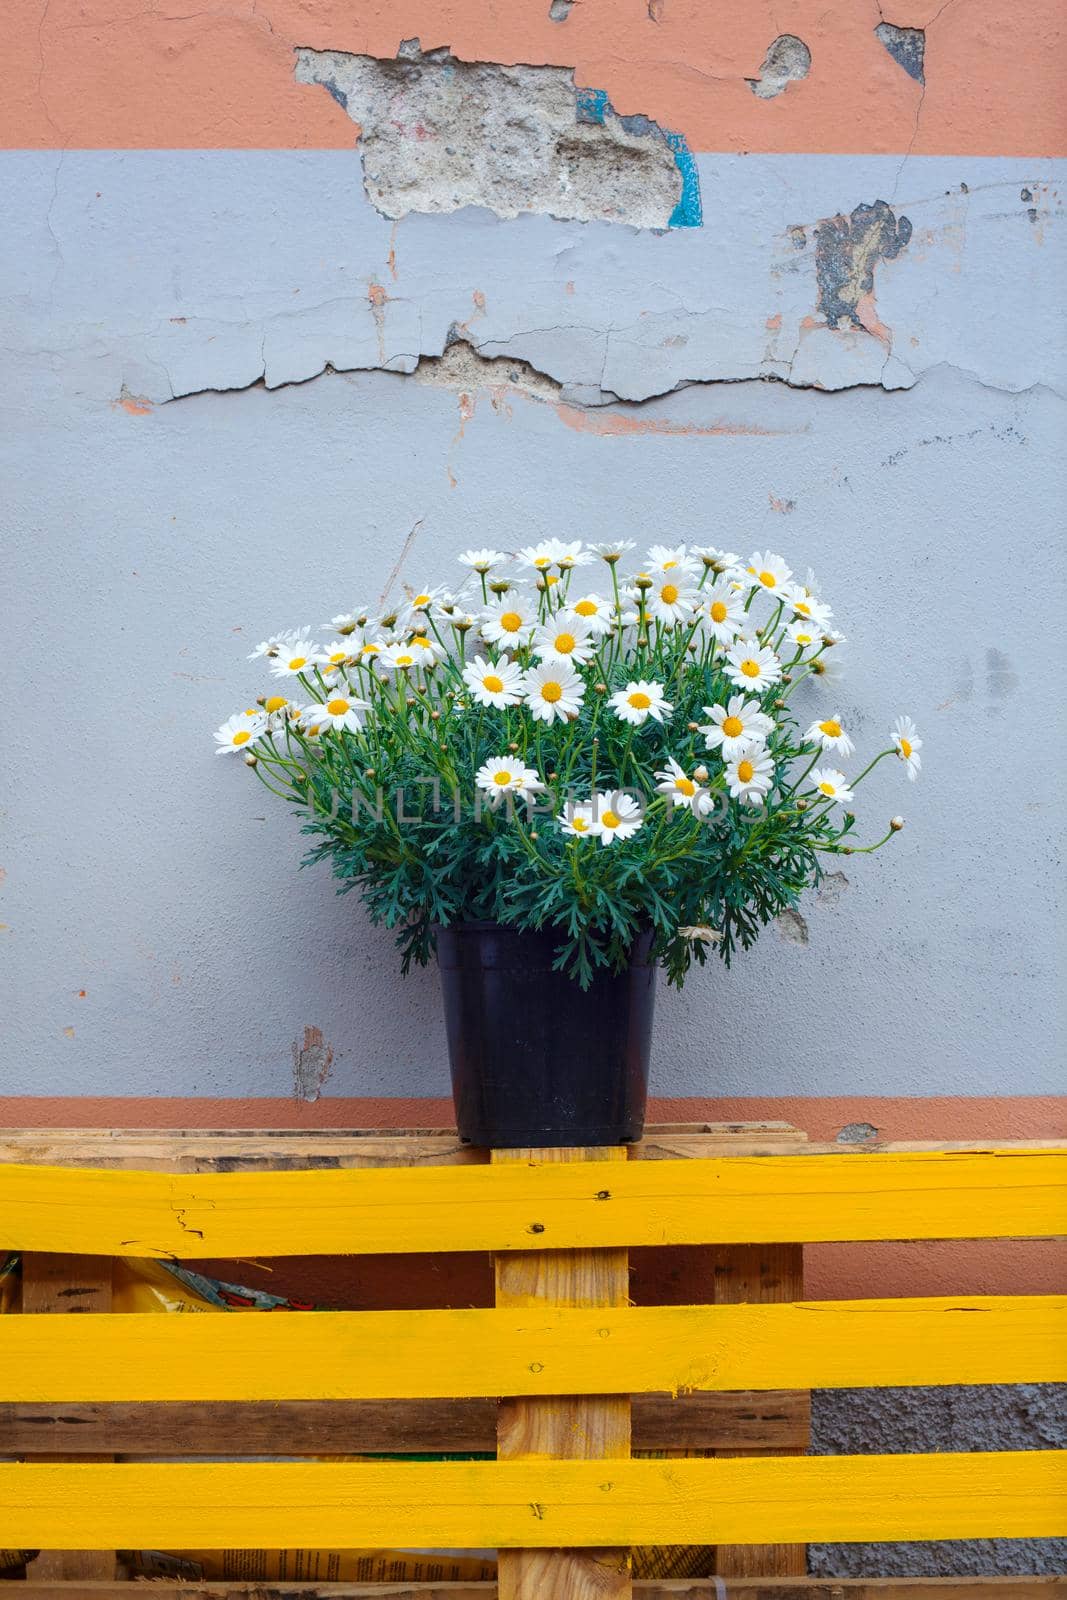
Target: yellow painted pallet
[(564, 1371)]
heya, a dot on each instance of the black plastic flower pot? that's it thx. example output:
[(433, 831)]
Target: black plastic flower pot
[(536, 1059)]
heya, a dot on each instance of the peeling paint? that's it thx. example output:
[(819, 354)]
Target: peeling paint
[(312, 1062), (787, 60), (847, 250), (791, 927), (907, 46)]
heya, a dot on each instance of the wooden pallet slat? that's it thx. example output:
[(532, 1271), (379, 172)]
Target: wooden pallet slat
[(722, 1200), (383, 1355), (770, 1588), (536, 1503)]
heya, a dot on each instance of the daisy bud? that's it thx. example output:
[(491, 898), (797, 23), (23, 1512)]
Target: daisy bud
[(700, 774), (534, 835), (435, 716), (612, 556), (512, 747), (787, 677), (642, 640), (802, 805), (411, 699), (692, 647), (389, 621), (692, 727), (828, 641), (896, 823), (551, 778), (251, 760), (818, 667), (369, 772), (346, 629), (779, 705), (541, 585), (846, 850), (500, 586), (600, 688), (643, 582)]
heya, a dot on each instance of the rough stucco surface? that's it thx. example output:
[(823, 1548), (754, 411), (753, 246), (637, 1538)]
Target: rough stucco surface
[(987, 1417)]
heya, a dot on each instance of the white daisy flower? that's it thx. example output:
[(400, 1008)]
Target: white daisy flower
[(426, 649), (503, 775), (563, 638), (739, 722), (682, 789), (347, 622), (723, 611), (639, 701), (805, 605), (670, 600), (616, 816), (906, 738), (674, 559), (494, 683), (414, 610), (700, 934), (597, 614), (552, 553), (399, 657), (481, 560), (769, 571), (371, 648), (751, 665), (511, 621), (298, 655), (831, 783), (805, 635), (337, 652), (342, 711), (612, 550), (578, 821), (277, 642), (750, 774), (310, 722), (830, 735), (721, 560), (240, 731), (553, 690)]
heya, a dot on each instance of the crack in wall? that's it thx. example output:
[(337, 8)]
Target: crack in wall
[(438, 133)]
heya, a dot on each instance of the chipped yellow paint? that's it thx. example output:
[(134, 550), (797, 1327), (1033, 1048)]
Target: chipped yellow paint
[(536, 1503), (425, 1354), (885, 1195)]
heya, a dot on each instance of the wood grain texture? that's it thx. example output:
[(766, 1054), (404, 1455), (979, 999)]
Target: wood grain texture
[(53, 1288), (535, 1503), (566, 1350), (1035, 1588), (771, 1275), (563, 1425), (718, 1200), (776, 1420)]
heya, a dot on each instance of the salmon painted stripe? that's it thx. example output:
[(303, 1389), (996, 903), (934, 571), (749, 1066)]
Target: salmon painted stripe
[(89, 74)]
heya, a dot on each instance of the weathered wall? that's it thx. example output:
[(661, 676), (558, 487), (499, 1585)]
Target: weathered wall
[(298, 300)]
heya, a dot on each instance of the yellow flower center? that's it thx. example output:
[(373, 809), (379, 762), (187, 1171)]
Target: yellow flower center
[(275, 703), (421, 600), (745, 771), (669, 594), (420, 642), (639, 701), (827, 788), (511, 622), (542, 562), (550, 579), (750, 668), (502, 778), (686, 786), (579, 825), (803, 607), (492, 684), (905, 747), (297, 662), (551, 692), (610, 820), (719, 611), (337, 708), (336, 657), (586, 608), (242, 737), (565, 643), (804, 638), (733, 727), (667, 565), (313, 730), (405, 661), (831, 728), (768, 579), (370, 649)]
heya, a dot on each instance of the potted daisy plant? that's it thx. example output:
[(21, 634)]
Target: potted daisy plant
[(558, 779)]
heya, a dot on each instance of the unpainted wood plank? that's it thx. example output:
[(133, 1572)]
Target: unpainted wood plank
[(1021, 1588), (720, 1200), (758, 1278), (54, 1287), (568, 1350), (535, 1503), (775, 1420), (564, 1426)]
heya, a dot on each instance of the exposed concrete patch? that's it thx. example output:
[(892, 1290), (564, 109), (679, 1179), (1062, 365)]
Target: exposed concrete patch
[(560, 10), (311, 1065), (856, 1133), (832, 888), (982, 1417), (847, 250), (787, 60), (462, 367), (791, 927), (438, 134), (907, 46)]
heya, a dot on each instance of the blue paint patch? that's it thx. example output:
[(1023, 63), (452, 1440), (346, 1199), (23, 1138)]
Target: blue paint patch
[(594, 107)]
